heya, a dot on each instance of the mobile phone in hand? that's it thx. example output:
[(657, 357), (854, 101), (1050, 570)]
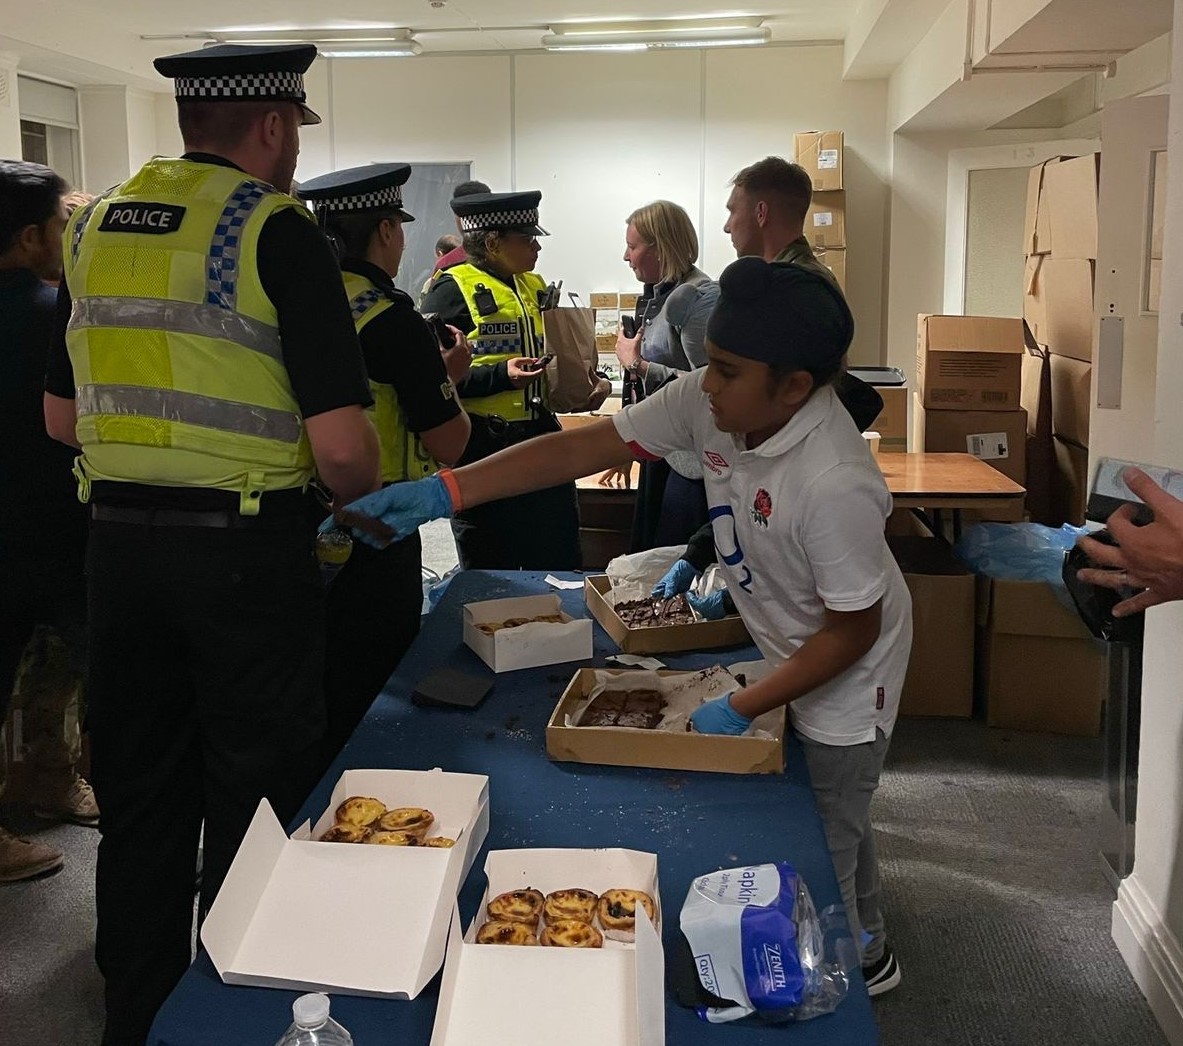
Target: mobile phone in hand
[(539, 364), (628, 326), (440, 329)]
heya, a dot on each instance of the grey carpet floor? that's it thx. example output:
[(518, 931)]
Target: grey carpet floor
[(995, 903)]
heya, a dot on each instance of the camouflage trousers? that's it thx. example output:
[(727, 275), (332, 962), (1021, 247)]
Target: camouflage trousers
[(45, 718)]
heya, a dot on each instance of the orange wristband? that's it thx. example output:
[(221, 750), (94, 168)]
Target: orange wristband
[(453, 488)]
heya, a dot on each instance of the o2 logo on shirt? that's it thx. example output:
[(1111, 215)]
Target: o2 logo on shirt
[(727, 545), (762, 508)]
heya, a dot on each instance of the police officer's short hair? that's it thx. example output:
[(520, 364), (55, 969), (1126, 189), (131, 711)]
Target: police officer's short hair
[(351, 232), (669, 228), (478, 245), (30, 194), (775, 176), (226, 123)]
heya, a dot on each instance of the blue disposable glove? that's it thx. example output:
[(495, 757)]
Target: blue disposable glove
[(718, 717), (402, 507), (711, 607), (679, 578)]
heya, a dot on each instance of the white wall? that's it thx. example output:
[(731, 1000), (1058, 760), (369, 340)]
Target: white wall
[(603, 134)]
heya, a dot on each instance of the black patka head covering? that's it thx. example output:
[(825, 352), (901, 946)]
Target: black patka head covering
[(240, 73), (781, 315), (499, 212), (374, 187)]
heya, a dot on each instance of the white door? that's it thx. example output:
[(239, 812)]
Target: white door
[(1125, 357)]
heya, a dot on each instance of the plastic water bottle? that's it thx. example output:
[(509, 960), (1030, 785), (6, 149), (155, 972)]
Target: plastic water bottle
[(312, 1025)]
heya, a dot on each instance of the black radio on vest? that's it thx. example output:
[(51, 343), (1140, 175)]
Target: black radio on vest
[(634, 385)]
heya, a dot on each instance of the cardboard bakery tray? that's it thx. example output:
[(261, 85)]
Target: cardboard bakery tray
[(353, 919), (581, 997), (659, 639), (531, 645), (672, 750)]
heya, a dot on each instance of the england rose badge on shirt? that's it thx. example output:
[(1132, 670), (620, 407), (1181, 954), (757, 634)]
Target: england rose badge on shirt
[(762, 508)]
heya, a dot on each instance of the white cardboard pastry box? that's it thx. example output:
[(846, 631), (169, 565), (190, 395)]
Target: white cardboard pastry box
[(672, 745), (501, 995), (529, 645), (353, 919), (658, 639)]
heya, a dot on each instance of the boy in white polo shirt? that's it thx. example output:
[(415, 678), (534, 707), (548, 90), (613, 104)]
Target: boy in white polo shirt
[(798, 507)]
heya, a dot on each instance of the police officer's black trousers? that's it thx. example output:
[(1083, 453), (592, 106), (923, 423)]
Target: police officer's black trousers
[(374, 609), (206, 694), (535, 531)]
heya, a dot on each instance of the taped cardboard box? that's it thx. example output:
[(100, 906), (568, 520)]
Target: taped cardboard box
[(1071, 382), (999, 438), (941, 667), (969, 362), (629, 746), (892, 422), (1070, 482), (1037, 235), (825, 223), (659, 639), (1035, 394), (820, 153), (528, 645), (834, 259), (584, 996), (1041, 670), (1034, 300), (1070, 191), (288, 914)]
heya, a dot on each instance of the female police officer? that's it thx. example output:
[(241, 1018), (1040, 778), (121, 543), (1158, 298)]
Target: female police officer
[(498, 298), (374, 602)]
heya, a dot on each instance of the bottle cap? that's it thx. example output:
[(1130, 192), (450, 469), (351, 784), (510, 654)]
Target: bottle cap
[(311, 1010)]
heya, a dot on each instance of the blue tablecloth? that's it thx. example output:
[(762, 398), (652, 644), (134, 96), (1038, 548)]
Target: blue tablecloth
[(694, 822)]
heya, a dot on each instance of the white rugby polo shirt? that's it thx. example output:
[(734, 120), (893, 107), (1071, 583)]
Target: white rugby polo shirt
[(798, 527)]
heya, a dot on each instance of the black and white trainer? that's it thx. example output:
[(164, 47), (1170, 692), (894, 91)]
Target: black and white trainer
[(883, 975)]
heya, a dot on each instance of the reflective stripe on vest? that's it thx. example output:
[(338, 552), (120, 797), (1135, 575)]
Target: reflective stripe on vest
[(402, 455), (174, 343), (515, 329)]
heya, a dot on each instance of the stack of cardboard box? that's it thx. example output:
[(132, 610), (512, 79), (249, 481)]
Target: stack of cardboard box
[(1061, 249), (820, 153), (968, 373)]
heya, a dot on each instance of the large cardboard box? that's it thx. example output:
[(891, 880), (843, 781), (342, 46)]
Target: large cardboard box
[(659, 639), (820, 153), (1066, 286), (1070, 190), (1071, 382), (834, 259), (969, 362), (825, 224), (1034, 300), (1040, 668), (941, 668), (529, 645), (629, 746), (1036, 392), (584, 996), (892, 422), (1037, 235), (999, 438), (1070, 482), (354, 920)]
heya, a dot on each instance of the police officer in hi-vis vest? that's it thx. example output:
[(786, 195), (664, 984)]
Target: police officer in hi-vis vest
[(208, 368), (498, 300), (374, 603)]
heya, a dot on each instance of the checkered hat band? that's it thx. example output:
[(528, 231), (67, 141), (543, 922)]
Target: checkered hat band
[(246, 85), (391, 196), (498, 220)]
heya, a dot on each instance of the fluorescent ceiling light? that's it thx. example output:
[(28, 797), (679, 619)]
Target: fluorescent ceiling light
[(331, 43), (645, 36)]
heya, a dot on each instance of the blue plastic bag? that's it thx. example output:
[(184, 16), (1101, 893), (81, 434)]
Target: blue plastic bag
[(1018, 551)]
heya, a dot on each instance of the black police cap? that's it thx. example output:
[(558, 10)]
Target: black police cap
[(374, 187), (499, 212), (781, 315), (242, 73)]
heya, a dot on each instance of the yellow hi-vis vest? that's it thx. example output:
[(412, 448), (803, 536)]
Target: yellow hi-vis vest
[(401, 454), (514, 329), (178, 368)]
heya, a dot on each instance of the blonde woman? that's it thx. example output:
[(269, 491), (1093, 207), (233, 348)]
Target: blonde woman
[(661, 247)]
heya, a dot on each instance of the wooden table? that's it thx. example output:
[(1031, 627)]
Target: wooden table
[(950, 481)]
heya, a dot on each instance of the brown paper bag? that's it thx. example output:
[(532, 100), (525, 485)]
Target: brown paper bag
[(571, 337)]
